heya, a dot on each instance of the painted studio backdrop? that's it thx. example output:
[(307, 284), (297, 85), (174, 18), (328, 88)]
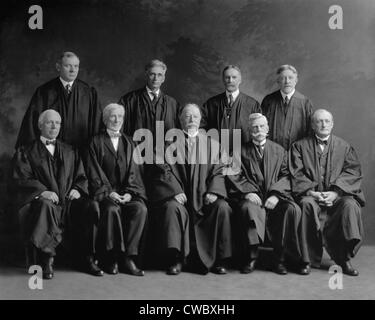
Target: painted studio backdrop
[(196, 38)]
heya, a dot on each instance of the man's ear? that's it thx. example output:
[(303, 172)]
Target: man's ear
[(58, 67)]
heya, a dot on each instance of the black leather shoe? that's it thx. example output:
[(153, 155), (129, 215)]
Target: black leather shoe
[(348, 269), (219, 269), (48, 268), (249, 267), (91, 268), (280, 268), (111, 268), (304, 270), (174, 269), (128, 266)]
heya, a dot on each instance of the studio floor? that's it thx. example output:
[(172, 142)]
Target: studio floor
[(156, 285)]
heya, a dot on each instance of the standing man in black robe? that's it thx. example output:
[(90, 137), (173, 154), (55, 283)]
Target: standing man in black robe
[(230, 109), (288, 112), (189, 197), (326, 179), (145, 106), (115, 182), (75, 101), (262, 201), (50, 186)]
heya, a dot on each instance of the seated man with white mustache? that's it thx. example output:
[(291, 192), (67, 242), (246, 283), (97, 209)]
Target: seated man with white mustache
[(191, 213), (261, 199)]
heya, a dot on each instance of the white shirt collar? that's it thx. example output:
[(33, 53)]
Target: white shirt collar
[(111, 131), (234, 94), (192, 135), (64, 83), (323, 139), (262, 143), (44, 139), (289, 94), (51, 147), (149, 91)]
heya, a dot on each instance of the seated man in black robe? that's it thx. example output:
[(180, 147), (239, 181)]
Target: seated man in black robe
[(326, 179), (115, 182), (191, 213), (51, 186), (262, 201), (288, 111), (75, 101), (230, 109)]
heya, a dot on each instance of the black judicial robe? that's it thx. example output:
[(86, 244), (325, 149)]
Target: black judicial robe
[(140, 112), (36, 171), (121, 226), (80, 112), (343, 172), (170, 180), (104, 165), (290, 125), (340, 223), (265, 177), (214, 117)]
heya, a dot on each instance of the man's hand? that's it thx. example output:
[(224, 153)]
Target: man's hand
[(74, 194), (210, 198), (271, 202), (181, 198), (318, 196), (125, 198), (254, 198), (50, 195), (115, 197), (329, 198)]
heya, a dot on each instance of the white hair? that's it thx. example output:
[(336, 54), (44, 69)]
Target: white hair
[(109, 108), (286, 67), (42, 116), (155, 63), (256, 116)]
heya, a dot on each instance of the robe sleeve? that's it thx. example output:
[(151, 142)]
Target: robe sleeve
[(216, 182), (282, 187), (240, 185), (309, 112), (165, 184), (127, 126), (134, 184), (204, 120), (25, 183), (300, 182), (80, 182), (96, 117), (99, 186), (349, 181), (29, 127)]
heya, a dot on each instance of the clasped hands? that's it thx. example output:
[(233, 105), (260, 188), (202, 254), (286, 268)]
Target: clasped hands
[(208, 199), (50, 195), (120, 199), (326, 198), (270, 203)]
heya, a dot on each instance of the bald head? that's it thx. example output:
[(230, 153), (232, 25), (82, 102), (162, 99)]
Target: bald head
[(49, 123), (322, 123)]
